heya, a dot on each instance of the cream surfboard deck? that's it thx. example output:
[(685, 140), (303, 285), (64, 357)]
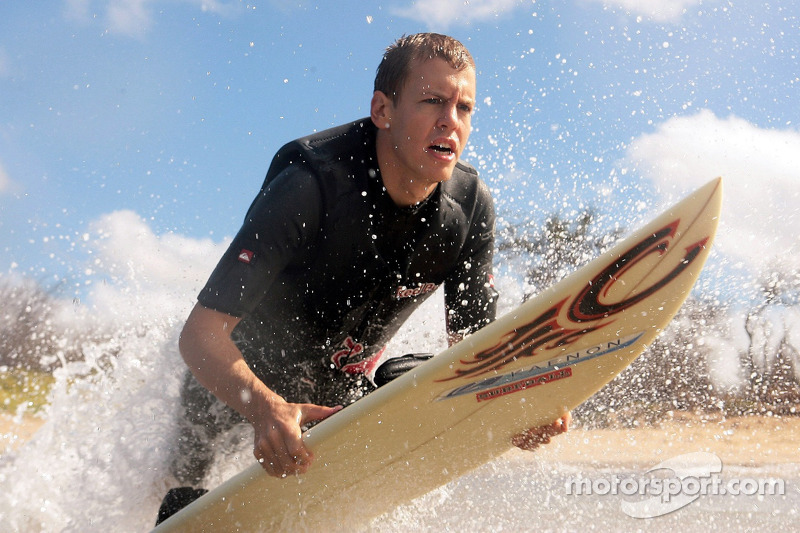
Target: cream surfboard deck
[(461, 408)]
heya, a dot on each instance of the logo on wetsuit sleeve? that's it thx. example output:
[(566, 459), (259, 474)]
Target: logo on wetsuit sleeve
[(246, 256), (423, 288)]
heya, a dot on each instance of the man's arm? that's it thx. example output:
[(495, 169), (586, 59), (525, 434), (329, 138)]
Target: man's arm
[(216, 362)]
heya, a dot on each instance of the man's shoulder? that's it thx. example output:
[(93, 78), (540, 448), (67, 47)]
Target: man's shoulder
[(349, 138), (463, 166), (326, 150)]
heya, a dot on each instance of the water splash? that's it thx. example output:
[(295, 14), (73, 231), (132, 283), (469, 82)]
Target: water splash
[(98, 460)]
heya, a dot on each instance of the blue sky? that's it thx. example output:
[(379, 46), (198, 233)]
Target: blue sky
[(134, 133)]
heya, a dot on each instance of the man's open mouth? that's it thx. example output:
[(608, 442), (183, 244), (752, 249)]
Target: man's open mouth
[(441, 148)]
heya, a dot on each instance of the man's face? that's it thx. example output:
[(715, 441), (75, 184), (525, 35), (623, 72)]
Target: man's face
[(429, 122)]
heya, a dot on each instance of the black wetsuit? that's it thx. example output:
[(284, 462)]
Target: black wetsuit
[(326, 268)]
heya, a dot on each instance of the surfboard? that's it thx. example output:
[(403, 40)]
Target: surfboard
[(461, 408)]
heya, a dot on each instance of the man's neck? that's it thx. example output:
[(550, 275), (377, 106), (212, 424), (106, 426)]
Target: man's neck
[(403, 191)]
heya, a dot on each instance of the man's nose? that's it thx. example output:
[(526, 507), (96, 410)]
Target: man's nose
[(449, 117)]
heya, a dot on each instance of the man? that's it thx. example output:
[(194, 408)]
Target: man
[(352, 230)]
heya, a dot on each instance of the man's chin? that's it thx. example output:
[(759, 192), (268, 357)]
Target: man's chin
[(442, 174)]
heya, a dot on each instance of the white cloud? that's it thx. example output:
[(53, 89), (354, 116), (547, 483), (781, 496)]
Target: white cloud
[(129, 17), (77, 9), (761, 181), (444, 13), (657, 10), (5, 180), (217, 6), (146, 275), (135, 17)]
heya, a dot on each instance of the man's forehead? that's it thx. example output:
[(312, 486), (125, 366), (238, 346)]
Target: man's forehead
[(435, 74)]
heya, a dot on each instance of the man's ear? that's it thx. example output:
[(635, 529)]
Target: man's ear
[(381, 110)]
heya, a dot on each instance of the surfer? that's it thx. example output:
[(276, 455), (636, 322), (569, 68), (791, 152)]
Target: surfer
[(352, 230)]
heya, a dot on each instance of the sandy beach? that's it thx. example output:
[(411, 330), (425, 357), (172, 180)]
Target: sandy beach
[(14, 433), (752, 441)]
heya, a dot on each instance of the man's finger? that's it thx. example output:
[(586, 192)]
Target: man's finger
[(313, 413), (532, 438), (279, 448)]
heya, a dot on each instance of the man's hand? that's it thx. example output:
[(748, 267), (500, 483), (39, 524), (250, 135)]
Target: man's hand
[(533, 438), (278, 437)]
